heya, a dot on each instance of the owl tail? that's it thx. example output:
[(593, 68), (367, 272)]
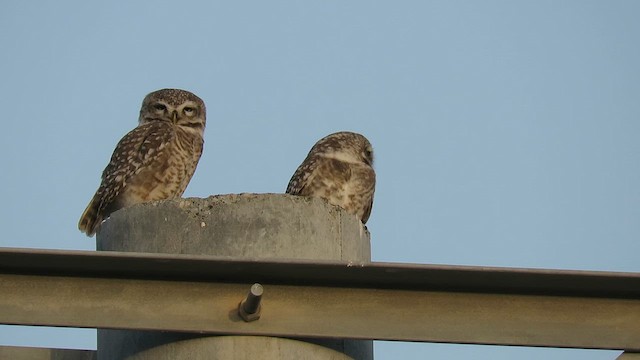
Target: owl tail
[(90, 220)]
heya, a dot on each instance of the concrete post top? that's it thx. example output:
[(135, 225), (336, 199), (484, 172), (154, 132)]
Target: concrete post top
[(241, 225)]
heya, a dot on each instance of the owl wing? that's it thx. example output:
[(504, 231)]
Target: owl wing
[(367, 211), (134, 151), (368, 187), (319, 176), (301, 177)]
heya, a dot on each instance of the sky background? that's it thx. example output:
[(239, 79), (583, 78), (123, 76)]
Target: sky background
[(506, 133)]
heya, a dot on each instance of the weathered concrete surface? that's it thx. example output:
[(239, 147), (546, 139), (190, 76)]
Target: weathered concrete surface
[(264, 226), (249, 226)]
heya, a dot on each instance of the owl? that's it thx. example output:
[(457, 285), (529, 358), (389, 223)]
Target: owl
[(339, 169), (154, 161)]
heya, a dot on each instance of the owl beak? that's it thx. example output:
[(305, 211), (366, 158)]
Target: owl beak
[(174, 115)]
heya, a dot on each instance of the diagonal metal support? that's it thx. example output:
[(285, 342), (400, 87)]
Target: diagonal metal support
[(599, 310)]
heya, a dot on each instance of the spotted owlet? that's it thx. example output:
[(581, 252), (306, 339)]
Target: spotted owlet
[(339, 169), (154, 161)]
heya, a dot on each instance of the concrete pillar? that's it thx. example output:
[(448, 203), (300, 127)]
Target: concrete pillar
[(259, 226)]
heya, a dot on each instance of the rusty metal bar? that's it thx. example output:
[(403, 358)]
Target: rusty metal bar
[(599, 310)]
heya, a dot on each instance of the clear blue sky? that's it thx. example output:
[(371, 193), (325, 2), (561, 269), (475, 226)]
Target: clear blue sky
[(506, 132)]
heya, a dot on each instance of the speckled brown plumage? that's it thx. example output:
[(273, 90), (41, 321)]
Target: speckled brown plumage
[(339, 169), (154, 161)]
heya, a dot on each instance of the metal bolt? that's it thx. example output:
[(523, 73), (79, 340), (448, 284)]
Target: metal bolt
[(249, 309)]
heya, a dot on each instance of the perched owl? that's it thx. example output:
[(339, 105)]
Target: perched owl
[(339, 169), (154, 161)]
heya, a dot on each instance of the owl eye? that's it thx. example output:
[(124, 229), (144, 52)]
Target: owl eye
[(160, 107), (189, 111), (368, 156)]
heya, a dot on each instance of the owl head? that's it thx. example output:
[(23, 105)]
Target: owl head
[(346, 146), (179, 107)]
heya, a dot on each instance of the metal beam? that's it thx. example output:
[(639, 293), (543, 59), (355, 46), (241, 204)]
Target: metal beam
[(453, 304)]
